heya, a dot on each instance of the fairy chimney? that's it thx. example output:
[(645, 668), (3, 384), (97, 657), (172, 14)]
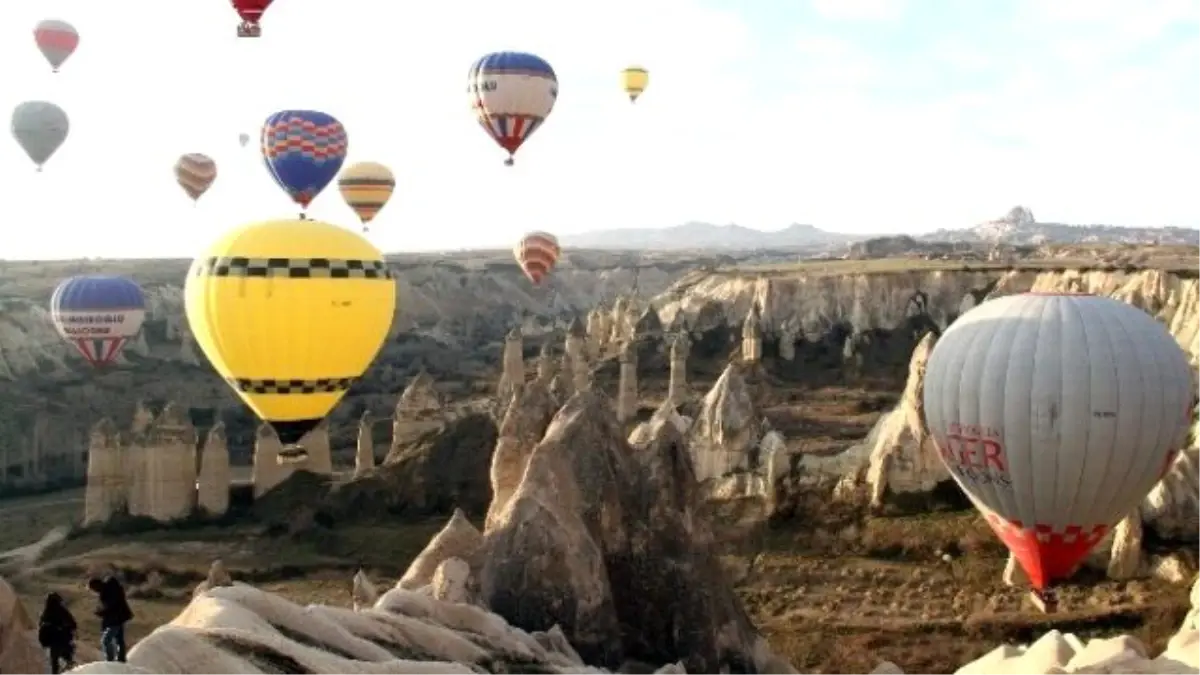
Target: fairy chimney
[(575, 356), (169, 466), (105, 492), (752, 336), (267, 472), (364, 452), (627, 384), (545, 364), (513, 366), (213, 484), (677, 382)]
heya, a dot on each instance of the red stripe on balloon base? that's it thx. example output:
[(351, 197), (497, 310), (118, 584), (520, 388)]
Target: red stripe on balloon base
[(1045, 553)]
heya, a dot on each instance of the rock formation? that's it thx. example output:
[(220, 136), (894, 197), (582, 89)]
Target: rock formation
[(270, 469), (546, 367), (19, 648), (677, 384), (363, 593), (724, 438), (364, 448), (529, 413), (512, 374), (627, 384), (575, 357), (213, 483), (106, 486), (752, 336)]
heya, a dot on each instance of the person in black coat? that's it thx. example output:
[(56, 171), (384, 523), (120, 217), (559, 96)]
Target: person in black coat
[(114, 612), (56, 632)]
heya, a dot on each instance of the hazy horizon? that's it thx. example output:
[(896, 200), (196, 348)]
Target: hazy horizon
[(856, 116)]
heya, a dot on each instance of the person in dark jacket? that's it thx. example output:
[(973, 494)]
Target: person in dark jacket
[(56, 632), (114, 613)]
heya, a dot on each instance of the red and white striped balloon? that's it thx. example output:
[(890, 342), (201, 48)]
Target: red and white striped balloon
[(57, 40), (195, 173)]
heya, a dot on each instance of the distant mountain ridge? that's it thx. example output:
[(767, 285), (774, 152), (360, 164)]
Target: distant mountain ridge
[(697, 235)]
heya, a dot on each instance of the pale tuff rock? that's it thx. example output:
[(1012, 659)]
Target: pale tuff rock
[(546, 369), (725, 435), (1126, 559), (106, 488), (627, 382), (318, 457), (166, 455), (1057, 652), (364, 450), (666, 413), (677, 385), (420, 398), (19, 648), (458, 539), (787, 341), (752, 336), (142, 418), (213, 482), (1172, 508), (218, 576), (267, 472), (529, 413), (589, 511), (576, 358), (1014, 575), (599, 328), (450, 581), (512, 374), (363, 593)]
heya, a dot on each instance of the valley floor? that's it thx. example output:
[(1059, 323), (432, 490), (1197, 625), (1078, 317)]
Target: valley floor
[(834, 592)]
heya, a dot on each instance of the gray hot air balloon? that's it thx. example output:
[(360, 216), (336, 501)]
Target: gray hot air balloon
[(40, 127), (243, 139)]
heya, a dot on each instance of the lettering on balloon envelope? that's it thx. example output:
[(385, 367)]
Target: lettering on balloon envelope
[(975, 454)]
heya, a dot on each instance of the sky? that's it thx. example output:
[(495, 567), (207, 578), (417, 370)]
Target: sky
[(862, 116)]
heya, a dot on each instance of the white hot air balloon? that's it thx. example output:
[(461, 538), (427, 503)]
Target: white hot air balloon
[(1056, 414), (40, 128)]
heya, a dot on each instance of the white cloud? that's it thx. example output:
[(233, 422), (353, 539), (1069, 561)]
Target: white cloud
[(860, 10)]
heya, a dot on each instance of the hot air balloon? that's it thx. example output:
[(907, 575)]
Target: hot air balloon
[(57, 40), (290, 313), (1056, 414), (634, 79), (243, 139), (251, 12), (537, 254), (303, 150), (366, 187), (40, 127), (195, 173), (512, 94), (98, 314)]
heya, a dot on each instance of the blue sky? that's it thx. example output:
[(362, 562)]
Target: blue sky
[(874, 116)]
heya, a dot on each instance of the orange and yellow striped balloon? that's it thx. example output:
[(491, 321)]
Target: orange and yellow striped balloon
[(367, 187), (537, 253), (195, 173)]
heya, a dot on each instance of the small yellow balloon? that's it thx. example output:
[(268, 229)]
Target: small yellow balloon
[(635, 79), (367, 187), (290, 313)]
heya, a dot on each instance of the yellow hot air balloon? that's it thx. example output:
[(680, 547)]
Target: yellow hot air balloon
[(290, 313), (367, 187), (635, 79)]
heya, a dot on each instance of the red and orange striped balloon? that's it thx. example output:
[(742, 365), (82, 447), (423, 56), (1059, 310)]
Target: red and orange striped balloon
[(195, 173), (537, 253)]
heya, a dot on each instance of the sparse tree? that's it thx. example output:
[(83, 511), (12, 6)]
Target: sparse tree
[(1020, 215)]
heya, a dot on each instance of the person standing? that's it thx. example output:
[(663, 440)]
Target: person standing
[(114, 612), (56, 632)]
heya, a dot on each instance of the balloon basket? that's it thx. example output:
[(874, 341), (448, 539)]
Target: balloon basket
[(508, 162), (1045, 601), (249, 30), (291, 454)]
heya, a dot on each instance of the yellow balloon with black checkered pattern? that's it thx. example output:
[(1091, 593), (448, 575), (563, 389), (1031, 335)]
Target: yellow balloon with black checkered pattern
[(290, 313)]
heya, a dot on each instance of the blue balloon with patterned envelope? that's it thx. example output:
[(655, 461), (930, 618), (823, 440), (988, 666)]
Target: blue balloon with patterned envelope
[(304, 151)]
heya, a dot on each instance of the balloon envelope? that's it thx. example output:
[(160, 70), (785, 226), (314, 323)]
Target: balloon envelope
[(366, 187), (98, 314), (57, 40), (40, 128), (634, 80), (195, 173), (303, 150), (537, 253), (1056, 414), (511, 94), (290, 313)]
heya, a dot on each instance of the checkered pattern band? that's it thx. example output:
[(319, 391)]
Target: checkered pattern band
[(1047, 535), (329, 385), (293, 268)]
